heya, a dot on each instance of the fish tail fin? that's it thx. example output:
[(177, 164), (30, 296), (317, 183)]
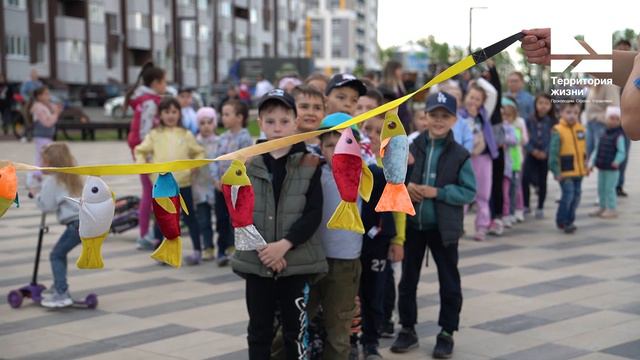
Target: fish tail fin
[(395, 197), (169, 252), (91, 255), (346, 217)]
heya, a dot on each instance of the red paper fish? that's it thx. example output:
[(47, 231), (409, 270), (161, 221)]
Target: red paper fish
[(239, 197), (167, 202)]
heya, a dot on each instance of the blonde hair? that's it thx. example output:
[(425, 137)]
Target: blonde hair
[(57, 154)]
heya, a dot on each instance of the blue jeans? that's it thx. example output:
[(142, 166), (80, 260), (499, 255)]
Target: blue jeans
[(70, 239), (595, 129), (204, 221), (571, 189)]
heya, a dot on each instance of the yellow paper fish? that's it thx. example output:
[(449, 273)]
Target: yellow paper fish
[(97, 206)]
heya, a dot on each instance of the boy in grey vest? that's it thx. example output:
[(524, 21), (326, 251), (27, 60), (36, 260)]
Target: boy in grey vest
[(287, 212)]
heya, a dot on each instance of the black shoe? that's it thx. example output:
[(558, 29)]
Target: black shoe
[(444, 347), (570, 229), (620, 192), (387, 330), (406, 340), (371, 352)]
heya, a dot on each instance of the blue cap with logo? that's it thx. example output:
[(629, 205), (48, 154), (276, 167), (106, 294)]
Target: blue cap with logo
[(441, 100)]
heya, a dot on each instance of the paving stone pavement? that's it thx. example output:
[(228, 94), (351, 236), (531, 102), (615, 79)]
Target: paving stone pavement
[(533, 293)]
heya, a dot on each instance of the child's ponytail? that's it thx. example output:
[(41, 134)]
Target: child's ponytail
[(147, 75)]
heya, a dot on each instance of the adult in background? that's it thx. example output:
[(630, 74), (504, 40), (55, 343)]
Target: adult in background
[(27, 87), (262, 86), (6, 102), (392, 84), (524, 99)]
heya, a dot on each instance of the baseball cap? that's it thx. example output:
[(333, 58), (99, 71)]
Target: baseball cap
[(441, 100), (280, 96), (336, 119), (340, 80)]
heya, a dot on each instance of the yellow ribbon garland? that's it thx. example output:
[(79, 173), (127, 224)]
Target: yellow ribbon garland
[(245, 153)]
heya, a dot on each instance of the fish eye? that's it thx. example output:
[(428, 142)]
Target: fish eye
[(238, 172), (392, 125), (349, 141), (94, 190)]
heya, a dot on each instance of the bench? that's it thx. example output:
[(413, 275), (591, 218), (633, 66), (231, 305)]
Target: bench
[(88, 130)]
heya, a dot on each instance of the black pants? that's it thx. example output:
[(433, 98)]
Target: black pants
[(372, 287), (496, 186), (446, 259), (290, 296), (191, 220), (535, 173), (389, 294), (223, 224)]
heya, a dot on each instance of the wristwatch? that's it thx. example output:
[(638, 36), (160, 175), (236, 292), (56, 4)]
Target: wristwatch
[(636, 82)]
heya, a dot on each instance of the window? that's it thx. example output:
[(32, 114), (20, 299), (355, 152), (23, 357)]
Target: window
[(190, 61), (203, 4), (204, 66), (140, 21), (203, 33), (96, 13), (186, 2), (225, 9), (112, 23), (41, 52), (159, 58), (159, 24), (253, 16), (266, 15), (74, 50), (98, 54), (39, 10), (188, 29), (16, 4), (17, 47), (266, 50)]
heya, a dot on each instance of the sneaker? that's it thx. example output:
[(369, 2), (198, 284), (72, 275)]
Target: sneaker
[(371, 352), (354, 353), (58, 300), (609, 214), (570, 229), (222, 260), (596, 213), (406, 341), (519, 216), (497, 227), (507, 222), (146, 243), (387, 330), (193, 259), (47, 294), (208, 255), (480, 235), (621, 193), (539, 214), (444, 346)]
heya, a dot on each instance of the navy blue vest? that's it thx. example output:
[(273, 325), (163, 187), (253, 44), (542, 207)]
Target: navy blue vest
[(607, 148)]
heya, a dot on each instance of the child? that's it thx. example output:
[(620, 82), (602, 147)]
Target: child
[(189, 121), (310, 109), (484, 152), (235, 114), (203, 190), (609, 154), (512, 203), (287, 213), (370, 100), (567, 156), (419, 125), (44, 116), (440, 184), (143, 98), (319, 81), (168, 142), (343, 92), (52, 198), (536, 166)]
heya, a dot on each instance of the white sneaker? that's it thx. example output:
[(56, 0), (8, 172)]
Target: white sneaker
[(507, 222), (519, 216), (497, 227), (58, 300)]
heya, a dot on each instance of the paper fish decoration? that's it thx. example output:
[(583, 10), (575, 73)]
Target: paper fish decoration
[(239, 197), (97, 208), (394, 150), (351, 176), (8, 188), (167, 202)]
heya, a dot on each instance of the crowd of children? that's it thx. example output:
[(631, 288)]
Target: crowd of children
[(470, 148)]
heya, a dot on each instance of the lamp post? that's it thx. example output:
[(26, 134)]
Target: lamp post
[(471, 22)]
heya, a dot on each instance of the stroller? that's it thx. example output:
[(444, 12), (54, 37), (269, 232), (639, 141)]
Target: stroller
[(126, 214)]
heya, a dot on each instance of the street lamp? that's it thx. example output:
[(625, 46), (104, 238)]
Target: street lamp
[(470, 21)]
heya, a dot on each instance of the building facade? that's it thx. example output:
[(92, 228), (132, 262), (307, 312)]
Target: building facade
[(196, 41)]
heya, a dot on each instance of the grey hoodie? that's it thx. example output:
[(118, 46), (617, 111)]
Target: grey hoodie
[(52, 198)]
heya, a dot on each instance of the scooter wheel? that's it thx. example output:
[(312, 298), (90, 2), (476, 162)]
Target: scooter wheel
[(92, 301), (15, 299)]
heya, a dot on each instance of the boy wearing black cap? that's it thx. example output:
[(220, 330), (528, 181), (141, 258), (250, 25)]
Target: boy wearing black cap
[(441, 182), (287, 212), (343, 92)]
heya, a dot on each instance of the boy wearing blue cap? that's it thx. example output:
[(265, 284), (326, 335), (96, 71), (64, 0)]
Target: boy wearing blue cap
[(441, 182), (343, 92)]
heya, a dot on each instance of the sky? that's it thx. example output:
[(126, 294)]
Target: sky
[(400, 21)]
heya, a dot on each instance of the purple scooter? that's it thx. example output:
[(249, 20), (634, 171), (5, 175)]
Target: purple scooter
[(34, 290)]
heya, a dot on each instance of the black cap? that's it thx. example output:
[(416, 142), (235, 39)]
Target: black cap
[(340, 80), (442, 100), (280, 96)]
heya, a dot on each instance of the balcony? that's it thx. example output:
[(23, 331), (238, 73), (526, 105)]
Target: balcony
[(72, 72), (70, 28), (138, 39)]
